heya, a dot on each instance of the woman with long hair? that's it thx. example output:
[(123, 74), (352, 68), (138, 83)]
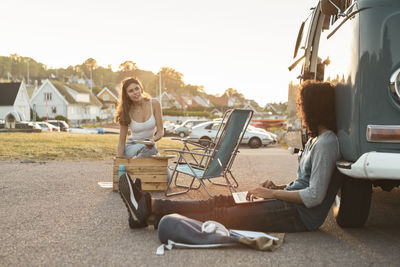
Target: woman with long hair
[(142, 115), (300, 206)]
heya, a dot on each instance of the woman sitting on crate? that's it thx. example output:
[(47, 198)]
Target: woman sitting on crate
[(142, 115)]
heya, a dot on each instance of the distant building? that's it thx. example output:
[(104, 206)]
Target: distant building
[(71, 100), (169, 101), (109, 99), (14, 99)]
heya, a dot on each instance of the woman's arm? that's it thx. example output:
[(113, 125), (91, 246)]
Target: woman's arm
[(159, 121), (271, 185), (123, 131)]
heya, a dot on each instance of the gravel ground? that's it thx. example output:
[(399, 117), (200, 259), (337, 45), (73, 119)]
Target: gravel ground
[(55, 214)]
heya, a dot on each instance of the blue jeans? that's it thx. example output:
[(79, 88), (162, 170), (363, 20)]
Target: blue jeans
[(134, 150), (270, 216)]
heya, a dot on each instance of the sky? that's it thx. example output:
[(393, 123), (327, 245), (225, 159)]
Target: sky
[(220, 44)]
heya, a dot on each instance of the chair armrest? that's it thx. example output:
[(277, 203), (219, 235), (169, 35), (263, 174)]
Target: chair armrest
[(187, 152), (187, 141)]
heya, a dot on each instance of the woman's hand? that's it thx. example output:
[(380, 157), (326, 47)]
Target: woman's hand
[(285, 195), (151, 145), (260, 192), (270, 185)]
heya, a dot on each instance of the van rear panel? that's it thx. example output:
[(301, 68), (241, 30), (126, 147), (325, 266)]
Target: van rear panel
[(364, 51), (379, 58)]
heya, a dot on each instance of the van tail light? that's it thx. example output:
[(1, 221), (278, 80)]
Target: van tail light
[(383, 133), (394, 85)]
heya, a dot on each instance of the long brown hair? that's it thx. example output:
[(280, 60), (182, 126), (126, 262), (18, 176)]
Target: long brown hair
[(316, 102), (122, 114)]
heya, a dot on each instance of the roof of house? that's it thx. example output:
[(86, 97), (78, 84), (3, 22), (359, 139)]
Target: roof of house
[(219, 101), (8, 93), (30, 89), (112, 91), (115, 91), (179, 99), (80, 88)]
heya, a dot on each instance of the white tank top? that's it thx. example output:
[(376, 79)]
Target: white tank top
[(143, 130)]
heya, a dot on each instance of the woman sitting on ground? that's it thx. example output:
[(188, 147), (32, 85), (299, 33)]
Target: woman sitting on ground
[(142, 114), (300, 206)]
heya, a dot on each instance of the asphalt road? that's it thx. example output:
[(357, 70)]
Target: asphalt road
[(55, 214)]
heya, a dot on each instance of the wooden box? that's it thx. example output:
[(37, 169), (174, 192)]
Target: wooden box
[(151, 171)]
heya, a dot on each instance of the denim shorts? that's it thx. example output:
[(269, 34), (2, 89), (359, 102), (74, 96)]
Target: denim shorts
[(134, 150)]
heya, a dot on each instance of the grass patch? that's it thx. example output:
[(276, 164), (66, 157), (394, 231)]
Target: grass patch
[(65, 146)]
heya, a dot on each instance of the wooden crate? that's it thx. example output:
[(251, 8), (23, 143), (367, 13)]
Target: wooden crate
[(151, 171)]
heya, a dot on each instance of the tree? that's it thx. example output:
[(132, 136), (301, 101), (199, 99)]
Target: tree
[(90, 63), (192, 89), (127, 66), (171, 79)]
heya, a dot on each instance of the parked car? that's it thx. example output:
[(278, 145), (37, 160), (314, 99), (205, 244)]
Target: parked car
[(273, 136), (206, 132), (61, 124), (34, 125), (169, 128), (184, 129), (48, 127)]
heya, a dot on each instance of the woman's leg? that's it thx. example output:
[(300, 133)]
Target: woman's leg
[(146, 152), (268, 216), (132, 149)]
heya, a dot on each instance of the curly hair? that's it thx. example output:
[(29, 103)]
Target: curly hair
[(122, 113), (316, 102)]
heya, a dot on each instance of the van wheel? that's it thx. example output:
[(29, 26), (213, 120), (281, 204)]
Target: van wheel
[(255, 142), (181, 134), (351, 206)]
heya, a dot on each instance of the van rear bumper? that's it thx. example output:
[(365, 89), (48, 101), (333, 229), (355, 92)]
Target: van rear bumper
[(373, 166)]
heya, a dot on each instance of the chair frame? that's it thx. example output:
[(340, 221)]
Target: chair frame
[(207, 158)]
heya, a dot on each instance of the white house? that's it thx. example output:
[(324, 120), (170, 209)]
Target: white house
[(71, 100), (109, 99), (14, 99), (203, 101), (169, 101)]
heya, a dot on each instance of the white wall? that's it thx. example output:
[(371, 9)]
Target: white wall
[(56, 101), (4, 110), (21, 103), (80, 112)]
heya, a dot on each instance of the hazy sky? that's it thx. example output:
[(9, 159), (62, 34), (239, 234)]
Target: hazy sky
[(220, 44)]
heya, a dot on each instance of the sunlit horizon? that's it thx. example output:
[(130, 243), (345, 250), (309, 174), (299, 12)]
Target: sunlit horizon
[(219, 45)]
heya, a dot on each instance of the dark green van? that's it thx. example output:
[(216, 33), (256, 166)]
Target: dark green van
[(356, 45)]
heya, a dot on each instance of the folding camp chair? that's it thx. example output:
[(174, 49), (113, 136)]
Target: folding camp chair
[(217, 160)]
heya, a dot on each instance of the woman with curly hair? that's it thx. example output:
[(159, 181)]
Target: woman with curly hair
[(300, 206), (142, 115)]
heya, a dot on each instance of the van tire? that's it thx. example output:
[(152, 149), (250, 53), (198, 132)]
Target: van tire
[(182, 134), (352, 204)]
